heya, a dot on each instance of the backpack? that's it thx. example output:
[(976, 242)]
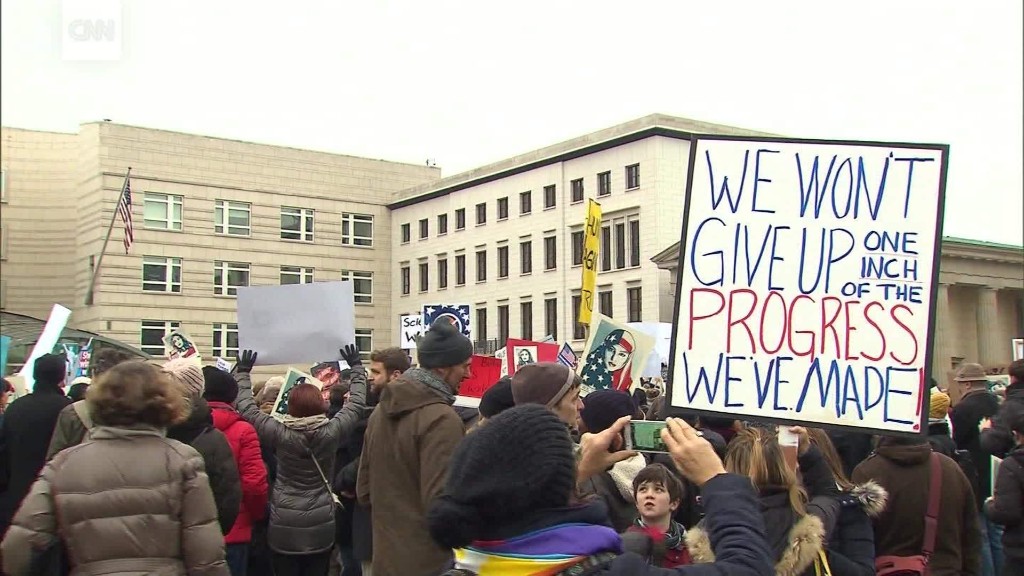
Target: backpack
[(918, 565)]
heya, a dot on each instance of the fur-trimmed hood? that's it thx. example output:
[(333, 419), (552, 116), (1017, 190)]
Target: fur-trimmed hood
[(806, 540), (870, 496)]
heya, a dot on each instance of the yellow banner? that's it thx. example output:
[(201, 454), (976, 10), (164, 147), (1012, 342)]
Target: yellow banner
[(591, 244)]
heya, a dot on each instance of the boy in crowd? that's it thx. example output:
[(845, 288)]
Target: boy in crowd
[(658, 492)]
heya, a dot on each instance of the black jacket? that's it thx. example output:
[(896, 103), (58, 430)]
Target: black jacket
[(353, 526), (966, 416), (24, 438), (851, 549), (853, 447), (1007, 506), (198, 432), (998, 440)]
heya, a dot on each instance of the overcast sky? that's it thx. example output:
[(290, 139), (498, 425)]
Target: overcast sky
[(467, 83)]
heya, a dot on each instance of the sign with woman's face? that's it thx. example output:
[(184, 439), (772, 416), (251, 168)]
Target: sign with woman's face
[(614, 356)]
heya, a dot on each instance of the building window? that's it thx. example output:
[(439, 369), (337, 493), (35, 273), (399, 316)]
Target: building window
[(225, 340), (502, 324), (460, 269), (481, 213), (362, 285), (606, 248), (632, 176), (526, 257), (296, 275), (551, 317), (577, 190), (480, 328), (503, 208), (364, 342), (604, 183), (502, 261), (442, 273), (160, 274), (549, 196), (228, 277), (460, 219), (525, 202), (550, 254), (151, 336), (406, 233), (576, 239), (579, 331), (481, 265), (162, 212), (604, 303), (620, 245), (634, 305), (231, 218), (424, 277), (424, 228), (526, 320), (442, 224), (634, 242), (297, 224), (356, 229), (406, 281)]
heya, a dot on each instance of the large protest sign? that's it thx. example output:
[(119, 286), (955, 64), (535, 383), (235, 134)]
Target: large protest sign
[(614, 356), (805, 281), (457, 314)]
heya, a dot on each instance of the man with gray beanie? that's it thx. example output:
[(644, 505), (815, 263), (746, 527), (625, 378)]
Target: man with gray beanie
[(409, 440)]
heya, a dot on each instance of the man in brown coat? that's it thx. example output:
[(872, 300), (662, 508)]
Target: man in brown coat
[(902, 466), (409, 441)]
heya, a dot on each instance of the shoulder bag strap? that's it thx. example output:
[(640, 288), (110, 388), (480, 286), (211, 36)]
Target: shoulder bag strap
[(931, 520)]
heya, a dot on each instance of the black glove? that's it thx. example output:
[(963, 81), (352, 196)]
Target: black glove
[(245, 362), (351, 355)]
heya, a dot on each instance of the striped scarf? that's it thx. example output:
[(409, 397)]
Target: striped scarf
[(545, 552)]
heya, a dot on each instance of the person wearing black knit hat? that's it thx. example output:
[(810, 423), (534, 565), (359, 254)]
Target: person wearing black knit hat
[(496, 399), (409, 440), (509, 502)]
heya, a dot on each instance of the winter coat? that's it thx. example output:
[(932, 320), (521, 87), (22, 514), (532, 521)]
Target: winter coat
[(852, 447), (965, 418), (904, 471), (998, 440), (126, 501), (409, 441), (615, 488), (851, 548), (301, 507), (198, 432), (1007, 505), (24, 438), (69, 431), (941, 439), (245, 445), (354, 527)]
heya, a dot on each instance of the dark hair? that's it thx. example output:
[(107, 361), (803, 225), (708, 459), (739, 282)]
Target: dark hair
[(7, 386), (1016, 371), (659, 474), (77, 391), (305, 400), (338, 394), (392, 359), (107, 358), (50, 370), (136, 393)]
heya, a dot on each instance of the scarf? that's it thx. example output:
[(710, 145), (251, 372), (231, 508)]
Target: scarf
[(432, 381), (623, 473), (674, 536), (544, 552), (304, 424)]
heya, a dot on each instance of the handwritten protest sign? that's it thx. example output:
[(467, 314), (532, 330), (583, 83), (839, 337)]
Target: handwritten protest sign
[(806, 276), (410, 326)]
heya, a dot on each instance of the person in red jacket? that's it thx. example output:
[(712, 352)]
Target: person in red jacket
[(657, 493), (220, 392)]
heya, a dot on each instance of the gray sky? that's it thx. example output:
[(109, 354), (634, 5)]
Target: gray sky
[(466, 83)]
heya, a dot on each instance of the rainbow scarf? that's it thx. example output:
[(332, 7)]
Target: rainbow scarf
[(543, 552)]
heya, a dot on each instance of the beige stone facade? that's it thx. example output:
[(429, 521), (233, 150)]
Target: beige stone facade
[(259, 214)]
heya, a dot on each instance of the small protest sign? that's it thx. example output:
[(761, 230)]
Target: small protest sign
[(293, 379), (410, 326), (178, 344), (457, 314), (614, 356)]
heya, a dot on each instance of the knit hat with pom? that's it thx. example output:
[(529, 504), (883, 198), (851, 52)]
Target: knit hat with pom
[(443, 345), (520, 462), (188, 376)]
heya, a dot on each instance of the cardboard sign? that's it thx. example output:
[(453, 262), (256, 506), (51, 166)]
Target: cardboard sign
[(519, 353), (410, 326), (486, 372), (807, 272), (457, 314), (614, 356)]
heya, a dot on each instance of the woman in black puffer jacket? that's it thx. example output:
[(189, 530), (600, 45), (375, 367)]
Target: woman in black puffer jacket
[(301, 526)]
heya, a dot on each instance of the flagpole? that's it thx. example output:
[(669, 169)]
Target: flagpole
[(110, 228)]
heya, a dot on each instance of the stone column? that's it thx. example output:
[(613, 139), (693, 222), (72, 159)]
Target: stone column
[(945, 338), (989, 341)]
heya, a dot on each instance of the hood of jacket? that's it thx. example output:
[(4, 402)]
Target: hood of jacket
[(904, 454), (869, 497), (199, 420), (1017, 454), (806, 539), (224, 415), (403, 395)]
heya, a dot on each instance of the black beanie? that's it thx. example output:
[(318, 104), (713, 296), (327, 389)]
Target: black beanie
[(497, 399), (443, 345), (601, 408), (520, 462), (219, 385)]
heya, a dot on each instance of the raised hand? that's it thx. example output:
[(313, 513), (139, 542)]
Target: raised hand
[(601, 451), (692, 454), (245, 362), (351, 355)]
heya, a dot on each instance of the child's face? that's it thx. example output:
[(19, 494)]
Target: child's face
[(653, 502)]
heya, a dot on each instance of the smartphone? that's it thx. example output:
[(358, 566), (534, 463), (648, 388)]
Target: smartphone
[(645, 436)]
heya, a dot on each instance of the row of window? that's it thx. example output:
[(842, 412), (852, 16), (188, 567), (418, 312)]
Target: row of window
[(230, 218), (604, 188), (620, 248), (163, 274), (634, 313), (225, 339)]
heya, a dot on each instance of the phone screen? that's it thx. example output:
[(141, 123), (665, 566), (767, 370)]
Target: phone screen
[(645, 436)]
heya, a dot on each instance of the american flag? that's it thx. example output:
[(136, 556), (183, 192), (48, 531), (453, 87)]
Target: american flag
[(567, 357), (124, 207)]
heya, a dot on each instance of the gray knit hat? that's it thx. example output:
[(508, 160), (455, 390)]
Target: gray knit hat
[(443, 345)]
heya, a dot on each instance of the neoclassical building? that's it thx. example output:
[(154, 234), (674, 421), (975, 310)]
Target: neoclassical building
[(980, 307)]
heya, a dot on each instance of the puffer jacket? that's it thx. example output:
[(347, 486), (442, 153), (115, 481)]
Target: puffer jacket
[(851, 549), (245, 445), (301, 507), (126, 501)]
